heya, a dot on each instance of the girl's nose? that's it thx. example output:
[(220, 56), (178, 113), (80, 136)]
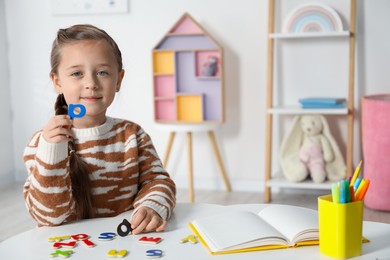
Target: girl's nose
[(91, 86), (90, 83)]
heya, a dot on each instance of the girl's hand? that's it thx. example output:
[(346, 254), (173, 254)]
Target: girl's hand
[(57, 129), (147, 220)]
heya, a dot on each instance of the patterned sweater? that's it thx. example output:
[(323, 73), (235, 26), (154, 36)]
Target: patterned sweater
[(125, 172)]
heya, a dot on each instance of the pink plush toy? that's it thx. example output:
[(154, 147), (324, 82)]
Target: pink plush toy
[(310, 149), (315, 149)]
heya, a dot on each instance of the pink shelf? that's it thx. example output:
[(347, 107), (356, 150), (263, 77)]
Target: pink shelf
[(165, 109), (164, 86), (186, 26)]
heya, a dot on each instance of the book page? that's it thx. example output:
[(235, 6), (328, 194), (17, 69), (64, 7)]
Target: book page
[(295, 223), (236, 230)]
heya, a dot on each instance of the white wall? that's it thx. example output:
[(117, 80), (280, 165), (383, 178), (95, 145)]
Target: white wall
[(240, 26), (6, 147)]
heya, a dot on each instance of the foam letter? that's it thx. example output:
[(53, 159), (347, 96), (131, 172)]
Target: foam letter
[(66, 253), (154, 253), (127, 225), (114, 253), (191, 238), (107, 236), (83, 238), (149, 240), (81, 111), (58, 239), (63, 244)]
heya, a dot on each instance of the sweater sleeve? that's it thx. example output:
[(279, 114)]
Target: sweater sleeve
[(156, 189), (47, 191)]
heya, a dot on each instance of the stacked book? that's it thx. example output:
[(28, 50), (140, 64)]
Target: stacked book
[(318, 102)]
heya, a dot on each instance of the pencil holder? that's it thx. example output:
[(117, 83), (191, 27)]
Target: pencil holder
[(340, 227)]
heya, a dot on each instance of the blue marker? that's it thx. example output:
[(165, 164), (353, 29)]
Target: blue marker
[(81, 112), (356, 184), (343, 192)]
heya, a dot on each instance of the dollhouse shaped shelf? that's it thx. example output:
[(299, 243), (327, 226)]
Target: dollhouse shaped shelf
[(188, 75), (188, 87)]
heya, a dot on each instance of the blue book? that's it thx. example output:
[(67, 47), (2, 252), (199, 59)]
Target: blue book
[(313, 105), (322, 101)]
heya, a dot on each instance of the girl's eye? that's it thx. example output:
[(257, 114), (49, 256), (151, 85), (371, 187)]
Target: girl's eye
[(76, 74), (102, 73)]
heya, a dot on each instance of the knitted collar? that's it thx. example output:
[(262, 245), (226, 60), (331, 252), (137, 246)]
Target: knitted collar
[(94, 131)]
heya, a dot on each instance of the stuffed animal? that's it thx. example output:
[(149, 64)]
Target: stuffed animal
[(210, 67), (309, 149)]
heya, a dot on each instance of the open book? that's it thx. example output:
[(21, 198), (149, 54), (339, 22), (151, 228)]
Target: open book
[(275, 226)]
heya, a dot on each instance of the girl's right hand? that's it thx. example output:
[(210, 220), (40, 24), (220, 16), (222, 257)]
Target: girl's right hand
[(57, 129)]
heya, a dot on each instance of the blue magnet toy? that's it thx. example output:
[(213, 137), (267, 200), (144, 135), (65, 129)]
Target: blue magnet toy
[(81, 110)]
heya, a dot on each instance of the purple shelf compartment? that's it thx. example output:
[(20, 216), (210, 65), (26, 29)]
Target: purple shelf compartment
[(186, 42), (188, 83)]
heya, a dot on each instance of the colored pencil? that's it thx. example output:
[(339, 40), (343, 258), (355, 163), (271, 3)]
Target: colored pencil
[(356, 173)]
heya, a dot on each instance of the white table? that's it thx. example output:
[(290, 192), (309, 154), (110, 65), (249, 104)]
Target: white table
[(33, 244)]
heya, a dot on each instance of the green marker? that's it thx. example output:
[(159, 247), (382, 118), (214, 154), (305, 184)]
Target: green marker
[(346, 183), (335, 193)]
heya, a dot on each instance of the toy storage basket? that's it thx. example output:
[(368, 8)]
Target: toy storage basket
[(376, 150)]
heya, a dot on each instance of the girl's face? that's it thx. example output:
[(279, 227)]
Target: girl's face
[(88, 74)]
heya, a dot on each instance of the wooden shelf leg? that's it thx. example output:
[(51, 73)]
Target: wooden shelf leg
[(169, 147), (267, 195), (190, 175), (219, 160), (270, 78), (268, 160)]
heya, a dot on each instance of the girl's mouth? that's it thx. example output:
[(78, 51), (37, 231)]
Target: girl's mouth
[(91, 99)]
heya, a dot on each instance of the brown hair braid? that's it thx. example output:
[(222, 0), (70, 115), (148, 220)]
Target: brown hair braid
[(78, 171)]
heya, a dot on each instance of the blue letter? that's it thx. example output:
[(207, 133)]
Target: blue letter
[(80, 113)]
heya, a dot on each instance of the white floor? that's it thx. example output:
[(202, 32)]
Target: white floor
[(15, 218)]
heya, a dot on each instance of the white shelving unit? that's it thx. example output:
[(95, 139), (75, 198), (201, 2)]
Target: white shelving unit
[(276, 179)]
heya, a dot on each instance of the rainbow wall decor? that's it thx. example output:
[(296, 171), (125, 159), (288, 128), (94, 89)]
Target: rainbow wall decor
[(314, 17)]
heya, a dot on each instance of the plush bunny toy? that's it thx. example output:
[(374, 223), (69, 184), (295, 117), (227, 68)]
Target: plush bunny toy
[(310, 149)]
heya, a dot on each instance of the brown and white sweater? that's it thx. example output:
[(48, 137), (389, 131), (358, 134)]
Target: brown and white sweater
[(125, 172)]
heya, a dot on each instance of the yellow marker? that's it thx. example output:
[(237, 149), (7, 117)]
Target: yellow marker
[(359, 189), (356, 173)]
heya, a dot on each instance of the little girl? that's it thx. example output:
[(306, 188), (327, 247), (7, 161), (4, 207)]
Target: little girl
[(94, 166)]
